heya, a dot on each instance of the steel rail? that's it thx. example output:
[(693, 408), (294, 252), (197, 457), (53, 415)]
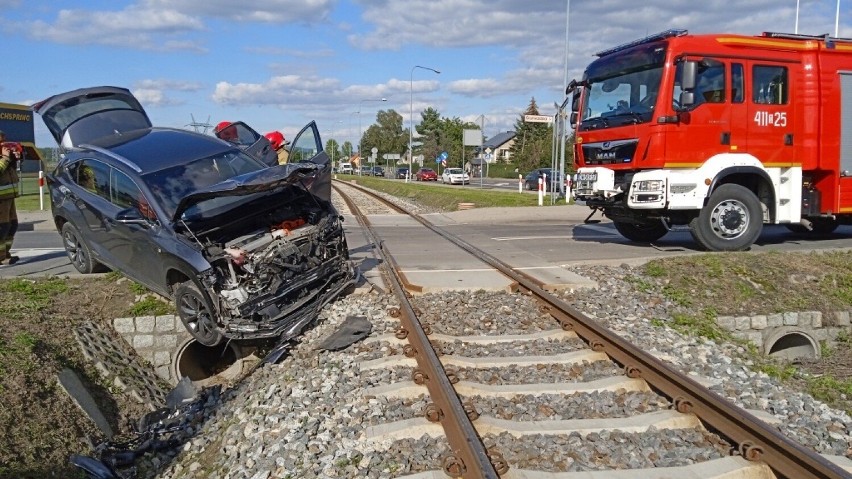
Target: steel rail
[(756, 439), (469, 458)]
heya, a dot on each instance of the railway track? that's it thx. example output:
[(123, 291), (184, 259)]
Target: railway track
[(537, 350)]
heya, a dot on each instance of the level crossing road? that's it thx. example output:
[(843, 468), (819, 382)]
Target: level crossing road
[(558, 236)]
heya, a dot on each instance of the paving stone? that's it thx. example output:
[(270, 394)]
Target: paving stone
[(165, 323), (726, 322), (775, 320), (759, 322), (791, 319), (143, 341), (123, 325), (145, 324)]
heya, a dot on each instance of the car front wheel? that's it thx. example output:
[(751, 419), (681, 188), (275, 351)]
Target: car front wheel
[(77, 250), (196, 314)]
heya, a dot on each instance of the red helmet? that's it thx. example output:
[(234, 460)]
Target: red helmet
[(221, 126), (275, 138)]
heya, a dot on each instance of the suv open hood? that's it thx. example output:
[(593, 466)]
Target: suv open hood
[(267, 179), (87, 114)]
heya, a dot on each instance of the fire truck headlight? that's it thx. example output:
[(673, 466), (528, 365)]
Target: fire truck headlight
[(648, 185), (681, 189)]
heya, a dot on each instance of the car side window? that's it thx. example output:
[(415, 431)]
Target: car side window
[(92, 176), (126, 194)]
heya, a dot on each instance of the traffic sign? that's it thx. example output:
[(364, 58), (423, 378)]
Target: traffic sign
[(538, 119)]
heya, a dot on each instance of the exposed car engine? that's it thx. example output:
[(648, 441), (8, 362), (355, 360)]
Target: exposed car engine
[(267, 273)]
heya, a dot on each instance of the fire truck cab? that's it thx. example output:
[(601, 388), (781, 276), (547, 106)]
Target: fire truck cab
[(718, 133)]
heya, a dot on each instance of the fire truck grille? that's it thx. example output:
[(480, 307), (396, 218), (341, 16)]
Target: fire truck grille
[(609, 152)]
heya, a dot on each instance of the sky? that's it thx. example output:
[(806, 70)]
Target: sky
[(279, 64)]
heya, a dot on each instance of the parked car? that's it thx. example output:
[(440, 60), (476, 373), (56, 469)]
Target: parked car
[(402, 173), (554, 179), (378, 171), (365, 171), (455, 176), (426, 174), (244, 250)]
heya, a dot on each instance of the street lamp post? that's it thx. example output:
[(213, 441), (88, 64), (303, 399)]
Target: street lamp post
[(360, 134), (411, 115)]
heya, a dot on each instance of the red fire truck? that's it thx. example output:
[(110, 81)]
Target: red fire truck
[(718, 133)]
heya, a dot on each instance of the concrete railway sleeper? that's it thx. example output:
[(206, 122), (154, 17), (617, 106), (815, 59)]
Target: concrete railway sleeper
[(759, 449)]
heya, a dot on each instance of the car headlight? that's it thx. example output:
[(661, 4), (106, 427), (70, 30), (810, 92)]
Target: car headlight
[(648, 185)]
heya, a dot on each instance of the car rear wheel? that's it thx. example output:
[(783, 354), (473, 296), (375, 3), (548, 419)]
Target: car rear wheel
[(196, 314), (77, 250)]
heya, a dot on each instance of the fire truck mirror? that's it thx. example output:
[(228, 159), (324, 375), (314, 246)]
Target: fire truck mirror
[(574, 116), (687, 83), (687, 99)]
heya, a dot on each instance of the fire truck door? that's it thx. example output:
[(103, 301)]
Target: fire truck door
[(705, 128), (771, 118), (739, 109)]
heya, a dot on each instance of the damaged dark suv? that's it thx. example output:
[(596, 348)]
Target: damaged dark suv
[(245, 250)]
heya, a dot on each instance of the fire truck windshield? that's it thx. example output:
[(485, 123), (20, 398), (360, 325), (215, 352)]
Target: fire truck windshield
[(621, 88)]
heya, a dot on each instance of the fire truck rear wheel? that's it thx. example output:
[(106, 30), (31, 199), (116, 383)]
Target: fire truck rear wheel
[(641, 233), (731, 221)]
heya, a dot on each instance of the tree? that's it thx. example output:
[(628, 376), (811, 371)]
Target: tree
[(332, 149), (429, 132), (533, 142), (386, 135), (347, 149)]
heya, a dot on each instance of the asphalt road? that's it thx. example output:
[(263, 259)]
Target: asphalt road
[(554, 238)]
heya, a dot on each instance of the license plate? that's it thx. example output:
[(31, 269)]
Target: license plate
[(592, 176)]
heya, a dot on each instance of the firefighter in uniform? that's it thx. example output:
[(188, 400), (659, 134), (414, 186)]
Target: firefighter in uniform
[(9, 157), (276, 139)]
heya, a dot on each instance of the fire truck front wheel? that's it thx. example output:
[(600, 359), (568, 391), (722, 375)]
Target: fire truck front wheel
[(641, 233), (731, 221)]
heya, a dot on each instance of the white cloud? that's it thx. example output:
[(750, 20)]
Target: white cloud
[(133, 27), (266, 11), (165, 84)]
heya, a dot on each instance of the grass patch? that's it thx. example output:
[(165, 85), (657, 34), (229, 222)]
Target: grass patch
[(447, 198), (29, 195), (150, 306), (756, 283)]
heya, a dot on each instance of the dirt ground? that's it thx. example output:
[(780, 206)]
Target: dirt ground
[(42, 426)]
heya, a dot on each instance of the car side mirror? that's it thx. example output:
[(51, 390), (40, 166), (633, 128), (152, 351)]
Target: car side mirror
[(131, 216)]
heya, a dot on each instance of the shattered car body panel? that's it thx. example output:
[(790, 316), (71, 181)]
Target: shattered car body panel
[(245, 250)]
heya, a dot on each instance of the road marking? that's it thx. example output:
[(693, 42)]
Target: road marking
[(422, 271), (527, 238), (31, 252)]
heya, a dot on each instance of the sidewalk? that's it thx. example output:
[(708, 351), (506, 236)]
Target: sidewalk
[(35, 221)]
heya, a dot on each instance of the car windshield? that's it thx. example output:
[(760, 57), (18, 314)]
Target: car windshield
[(453, 171), (170, 185), (621, 88)]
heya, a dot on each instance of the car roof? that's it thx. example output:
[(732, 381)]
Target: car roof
[(154, 149)]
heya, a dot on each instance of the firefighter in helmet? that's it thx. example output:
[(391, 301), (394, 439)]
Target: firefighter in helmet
[(276, 139), (224, 131), (9, 157)]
